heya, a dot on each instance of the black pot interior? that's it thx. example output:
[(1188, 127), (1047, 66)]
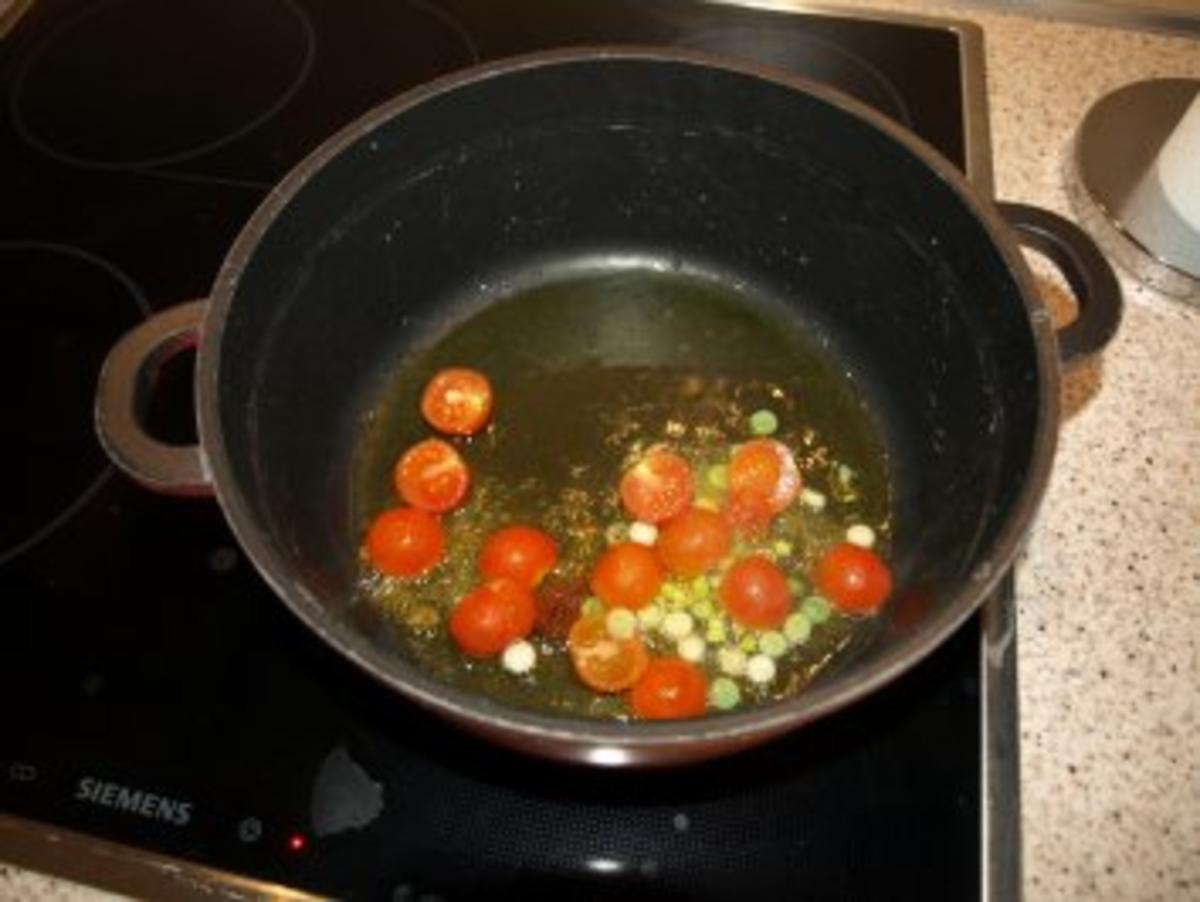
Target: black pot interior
[(441, 206)]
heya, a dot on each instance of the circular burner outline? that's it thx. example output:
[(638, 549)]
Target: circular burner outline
[(897, 99), (431, 8), (27, 134), (135, 293)]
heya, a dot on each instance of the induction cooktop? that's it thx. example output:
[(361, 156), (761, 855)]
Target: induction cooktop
[(169, 729)]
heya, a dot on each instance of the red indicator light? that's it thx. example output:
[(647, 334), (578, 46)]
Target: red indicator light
[(296, 842)]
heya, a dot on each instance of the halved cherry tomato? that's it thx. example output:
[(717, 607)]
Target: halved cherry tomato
[(404, 541), (627, 575), (457, 401), (755, 593), (763, 477), (670, 687), (658, 487), (518, 552), (432, 475), (694, 541), (854, 578), (602, 662), (491, 616)]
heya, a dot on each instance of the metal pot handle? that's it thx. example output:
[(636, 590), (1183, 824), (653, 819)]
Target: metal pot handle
[(127, 380), (1086, 270)]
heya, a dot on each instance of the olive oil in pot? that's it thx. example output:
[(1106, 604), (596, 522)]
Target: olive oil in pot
[(589, 371)]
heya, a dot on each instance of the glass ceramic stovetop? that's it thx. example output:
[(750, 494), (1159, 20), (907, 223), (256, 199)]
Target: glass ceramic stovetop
[(168, 728)]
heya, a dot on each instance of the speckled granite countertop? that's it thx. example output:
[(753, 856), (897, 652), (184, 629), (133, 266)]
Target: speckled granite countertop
[(1109, 587)]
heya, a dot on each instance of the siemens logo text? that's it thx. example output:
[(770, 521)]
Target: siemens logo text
[(135, 801)]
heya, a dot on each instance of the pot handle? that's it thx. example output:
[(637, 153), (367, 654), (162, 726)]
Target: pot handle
[(126, 382), (1086, 270)]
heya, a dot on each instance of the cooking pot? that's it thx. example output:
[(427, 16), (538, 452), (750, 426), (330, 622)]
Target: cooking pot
[(434, 204)]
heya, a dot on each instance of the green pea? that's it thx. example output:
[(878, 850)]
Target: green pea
[(650, 616), (717, 476), (773, 644), (797, 628), (816, 609), (591, 607), (763, 422), (621, 623), (673, 592), (724, 693)]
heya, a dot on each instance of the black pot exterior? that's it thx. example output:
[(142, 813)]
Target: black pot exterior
[(513, 171)]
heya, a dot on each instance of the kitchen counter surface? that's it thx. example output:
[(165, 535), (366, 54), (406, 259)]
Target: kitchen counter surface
[(1109, 586)]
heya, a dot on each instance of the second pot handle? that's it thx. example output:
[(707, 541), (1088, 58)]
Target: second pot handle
[(126, 382), (1086, 270)]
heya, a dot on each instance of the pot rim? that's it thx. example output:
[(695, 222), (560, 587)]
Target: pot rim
[(615, 742)]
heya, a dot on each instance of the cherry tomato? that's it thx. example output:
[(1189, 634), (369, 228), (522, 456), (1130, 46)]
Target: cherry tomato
[(518, 552), (747, 515), (658, 487), (627, 575), (457, 401), (694, 541), (853, 578), (491, 616), (670, 687), (433, 476), (404, 541), (763, 474), (755, 593), (602, 662)]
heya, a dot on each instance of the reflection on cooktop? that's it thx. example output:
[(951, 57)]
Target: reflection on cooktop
[(223, 71), (796, 53), (66, 307), (86, 95)]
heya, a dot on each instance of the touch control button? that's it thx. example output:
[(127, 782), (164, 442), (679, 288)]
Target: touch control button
[(250, 830), (20, 772)]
